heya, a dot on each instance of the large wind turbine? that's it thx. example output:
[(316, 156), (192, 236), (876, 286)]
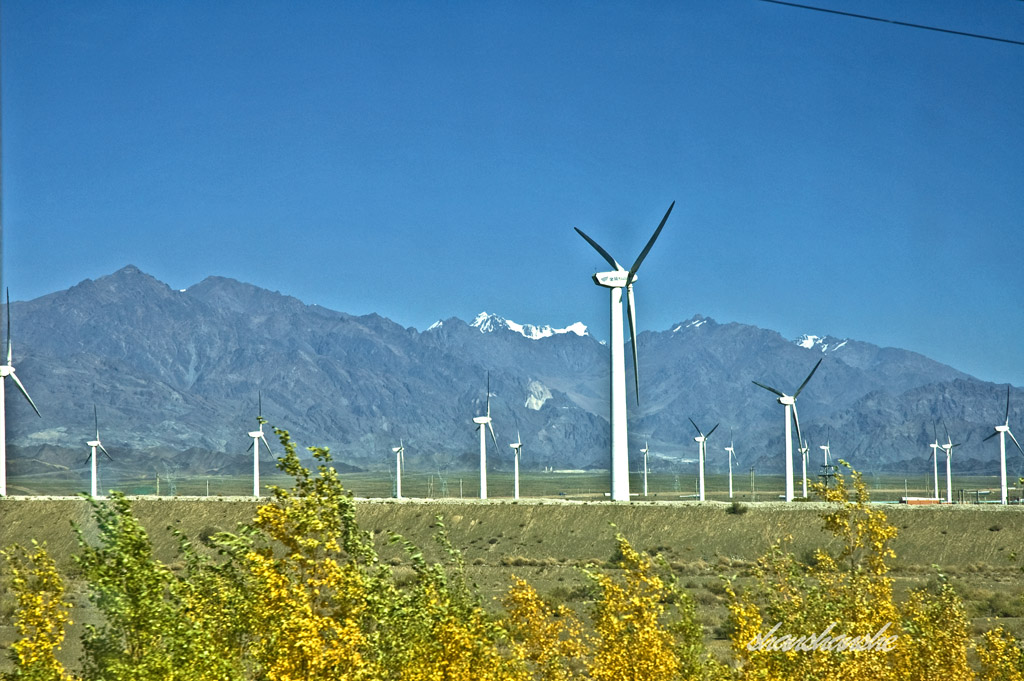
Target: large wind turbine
[(256, 436), (5, 371), (645, 451), (1002, 431), (948, 448), (93, 445), (789, 401), (399, 465), (517, 449), (702, 450), (615, 281), (731, 454), (480, 422)]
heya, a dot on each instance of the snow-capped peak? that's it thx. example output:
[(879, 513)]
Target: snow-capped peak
[(695, 323), (823, 343), (488, 323), (436, 325)]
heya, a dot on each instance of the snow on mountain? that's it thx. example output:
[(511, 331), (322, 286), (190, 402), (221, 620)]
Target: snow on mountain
[(823, 343), (489, 323)]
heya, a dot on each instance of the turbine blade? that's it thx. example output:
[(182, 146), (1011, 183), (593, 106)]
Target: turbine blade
[(21, 387), (647, 248), (104, 450), (796, 419), (991, 436), (96, 419), (267, 445), (711, 431), (597, 247), (949, 440), (249, 448), (631, 314), (695, 426), (9, 353), (493, 438), (1015, 441), (807, 379), (1007, 405), (488, 393), (259, 403), (768, 388)]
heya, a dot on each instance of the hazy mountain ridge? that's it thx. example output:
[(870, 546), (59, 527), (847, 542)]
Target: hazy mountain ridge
[(179, 370)]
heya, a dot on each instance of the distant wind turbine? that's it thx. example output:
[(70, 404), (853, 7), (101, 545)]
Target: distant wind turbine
[(615, 281), (948, 448), (1002, 431), (480, 422), (517, 450), (7, 370), (731, 453), (93, 445), (803, 460), (645, 451), (789, 401), (399, 465), (257, 436), (702, 450)]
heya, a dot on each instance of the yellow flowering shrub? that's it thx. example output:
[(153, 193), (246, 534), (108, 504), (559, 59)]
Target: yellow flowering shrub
[(847, 594), (42, 614)]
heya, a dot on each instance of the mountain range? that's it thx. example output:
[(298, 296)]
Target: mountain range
[(175, 375)]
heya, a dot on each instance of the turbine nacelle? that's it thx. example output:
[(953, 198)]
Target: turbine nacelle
[(614, 279), (255, 433), (481, 420), (1002, 429), (92, 443), (787, 400)]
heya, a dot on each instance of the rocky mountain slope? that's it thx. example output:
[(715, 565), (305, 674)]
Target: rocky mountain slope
[(175, 377)]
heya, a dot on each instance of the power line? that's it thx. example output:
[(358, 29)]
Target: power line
[(893, 21)]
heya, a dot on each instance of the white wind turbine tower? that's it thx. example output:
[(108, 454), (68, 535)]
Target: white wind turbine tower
[(1002, 431), (256, 436), (948, 448), (645, 451), (5, 371), (731, 452), (935, 459), (517, 450), (480, 422), (93, 445), (702, 450), (615, 281), (399, 465), (789, 401)]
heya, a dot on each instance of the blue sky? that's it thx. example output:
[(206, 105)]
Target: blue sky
[(427, 160)]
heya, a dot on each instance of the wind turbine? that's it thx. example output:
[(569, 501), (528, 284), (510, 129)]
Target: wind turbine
[(803, 459), (948, 448), (93, 445), (731, 454), (789, 401), (256, 436), (517, 449), (645, 451), (702, 449), (615, 281), (5, 371), (1002, 431), (480, 422), (935, 459), (399, 464)]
